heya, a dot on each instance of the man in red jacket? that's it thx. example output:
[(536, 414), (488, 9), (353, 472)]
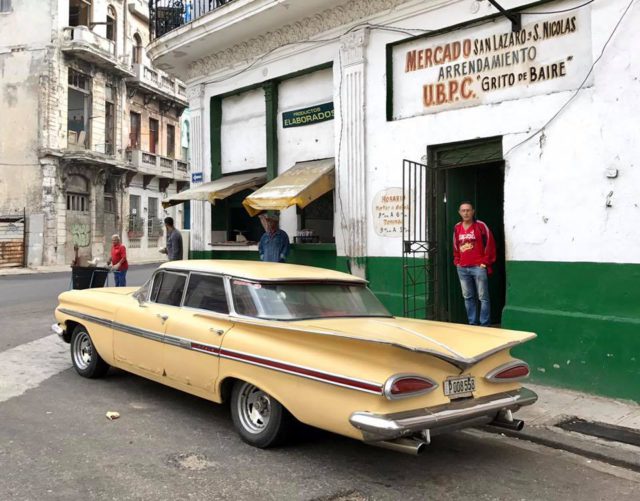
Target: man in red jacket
[(474, 251)]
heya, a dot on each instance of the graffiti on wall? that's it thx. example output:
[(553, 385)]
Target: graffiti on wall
[(81, 234)]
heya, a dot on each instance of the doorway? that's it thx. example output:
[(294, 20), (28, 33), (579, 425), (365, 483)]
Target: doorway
[(471, 171)]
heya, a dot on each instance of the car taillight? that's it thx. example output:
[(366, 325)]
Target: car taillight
[(513, 371), (402, 386)]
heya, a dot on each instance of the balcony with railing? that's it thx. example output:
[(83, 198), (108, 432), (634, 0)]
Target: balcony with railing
[(167, 15), (151, 164), (84, 44), (157, 82)]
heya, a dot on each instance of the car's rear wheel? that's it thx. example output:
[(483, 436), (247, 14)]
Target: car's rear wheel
[(259, 418), (84, 355)]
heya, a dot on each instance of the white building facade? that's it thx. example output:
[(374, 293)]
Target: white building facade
[(422, 105)]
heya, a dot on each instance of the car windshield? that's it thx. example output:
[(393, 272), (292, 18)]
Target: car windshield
[(298, 301)]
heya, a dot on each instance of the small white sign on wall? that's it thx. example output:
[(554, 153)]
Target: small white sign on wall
[(388, 208), (490, 63)]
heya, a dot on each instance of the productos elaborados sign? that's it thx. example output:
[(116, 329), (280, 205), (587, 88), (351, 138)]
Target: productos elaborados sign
[(308, 116)]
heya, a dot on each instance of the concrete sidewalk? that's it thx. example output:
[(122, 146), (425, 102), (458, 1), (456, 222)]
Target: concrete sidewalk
[(59, 268), (599, 415)]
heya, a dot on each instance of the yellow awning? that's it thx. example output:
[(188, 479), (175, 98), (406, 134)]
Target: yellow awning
[(218, 189), (300, 185)]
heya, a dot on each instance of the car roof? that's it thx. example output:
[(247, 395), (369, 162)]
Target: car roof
[(261, 271)]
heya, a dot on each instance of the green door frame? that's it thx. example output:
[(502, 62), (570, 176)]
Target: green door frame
[(442, 157)]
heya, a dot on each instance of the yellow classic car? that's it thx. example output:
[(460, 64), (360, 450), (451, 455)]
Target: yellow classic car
[(283, 342)]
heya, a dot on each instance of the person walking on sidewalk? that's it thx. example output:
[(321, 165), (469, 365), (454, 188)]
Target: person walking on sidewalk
[(474, 252), (118, 261), (274, 244), (173, 250)]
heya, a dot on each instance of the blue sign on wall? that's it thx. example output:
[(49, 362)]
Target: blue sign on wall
[(196, 177)]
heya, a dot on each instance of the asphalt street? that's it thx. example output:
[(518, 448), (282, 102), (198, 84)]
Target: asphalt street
[(56, 443)]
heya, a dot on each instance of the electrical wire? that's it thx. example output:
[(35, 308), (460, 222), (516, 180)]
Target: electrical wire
[(558, 11), (580, 87)]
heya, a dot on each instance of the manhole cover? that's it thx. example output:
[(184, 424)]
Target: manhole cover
[(191, 461)]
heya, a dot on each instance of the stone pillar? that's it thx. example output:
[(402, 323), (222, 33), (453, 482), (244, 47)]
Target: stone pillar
[(350, 151), (200, 211)]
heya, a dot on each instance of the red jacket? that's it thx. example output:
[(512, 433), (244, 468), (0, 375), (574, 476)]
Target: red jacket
[(119, 252), (473, 246)]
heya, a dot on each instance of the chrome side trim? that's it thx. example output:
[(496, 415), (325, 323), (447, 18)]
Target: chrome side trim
[(239, 356), (452, 416)]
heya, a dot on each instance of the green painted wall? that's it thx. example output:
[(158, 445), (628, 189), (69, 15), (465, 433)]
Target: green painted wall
[(586, 315)]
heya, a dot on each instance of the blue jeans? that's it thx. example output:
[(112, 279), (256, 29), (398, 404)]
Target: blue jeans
[(474, 282), (120, 277)]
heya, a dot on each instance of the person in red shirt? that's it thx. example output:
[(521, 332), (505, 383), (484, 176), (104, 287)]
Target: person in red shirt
[(474, 252), (118, 261)]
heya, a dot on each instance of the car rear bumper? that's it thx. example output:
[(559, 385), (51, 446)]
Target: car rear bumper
[(444, 418)]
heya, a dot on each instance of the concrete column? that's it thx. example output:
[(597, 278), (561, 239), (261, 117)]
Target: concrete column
[(350, 151), (200, 211)]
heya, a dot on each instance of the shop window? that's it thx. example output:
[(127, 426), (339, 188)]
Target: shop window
[(78, 110), (110, 120), (77, 189), (153, 135), (230, 216), (111, 23), (79, 12), (134, 130), (137, 49), (316, 221), (171, 141)]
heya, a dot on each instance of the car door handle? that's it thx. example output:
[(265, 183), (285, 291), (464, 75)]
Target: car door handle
[(162, 316), (219, 332)]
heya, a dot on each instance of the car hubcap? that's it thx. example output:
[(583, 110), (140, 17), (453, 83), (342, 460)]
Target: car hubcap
[(82, 350), (254, 408)]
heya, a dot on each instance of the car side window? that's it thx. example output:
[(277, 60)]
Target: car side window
[(168, 288), (207, 292)]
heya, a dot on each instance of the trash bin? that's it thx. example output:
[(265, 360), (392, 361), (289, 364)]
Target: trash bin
[(86, 277)]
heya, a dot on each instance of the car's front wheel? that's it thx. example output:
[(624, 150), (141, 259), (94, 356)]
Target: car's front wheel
[(259, 418), (84, 355)]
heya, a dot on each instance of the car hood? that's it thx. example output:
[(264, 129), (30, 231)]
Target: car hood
[(460, 344)]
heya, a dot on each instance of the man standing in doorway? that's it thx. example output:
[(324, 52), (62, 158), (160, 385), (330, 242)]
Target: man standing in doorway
[(274, 244), (173, 250), (474, 251), (118, 261)]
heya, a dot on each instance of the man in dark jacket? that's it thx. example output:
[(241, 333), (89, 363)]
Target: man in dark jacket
[(173, 250), (274, 244)]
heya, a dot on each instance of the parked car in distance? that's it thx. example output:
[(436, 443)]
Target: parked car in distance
[(282, 342)]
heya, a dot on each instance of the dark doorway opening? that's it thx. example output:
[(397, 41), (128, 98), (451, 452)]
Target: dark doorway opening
[(473, 171)]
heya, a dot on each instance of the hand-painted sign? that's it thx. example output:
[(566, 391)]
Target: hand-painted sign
[(196, 177), (388, 206), (308, 116), (490, 63)]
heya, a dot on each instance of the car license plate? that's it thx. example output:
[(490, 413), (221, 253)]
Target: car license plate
[(457, 387)]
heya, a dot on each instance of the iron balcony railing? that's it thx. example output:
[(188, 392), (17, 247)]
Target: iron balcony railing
[(167, 15)]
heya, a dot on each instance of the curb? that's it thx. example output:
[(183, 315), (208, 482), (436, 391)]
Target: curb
[(13, 272), (615, 453)]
